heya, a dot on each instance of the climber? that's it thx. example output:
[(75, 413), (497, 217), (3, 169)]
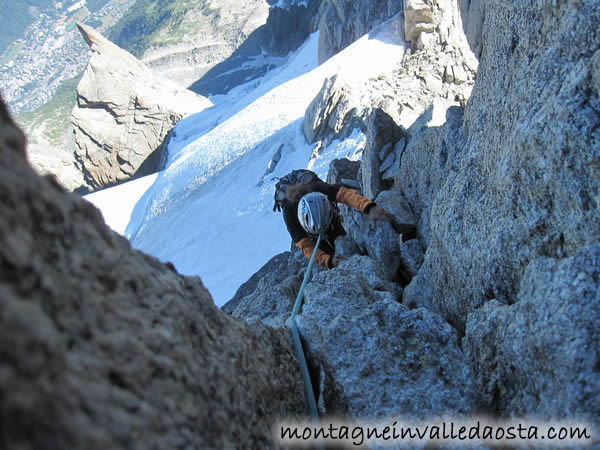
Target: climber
[(308, 209)]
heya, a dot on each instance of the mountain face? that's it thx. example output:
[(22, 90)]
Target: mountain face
[(285, 27), (123, 114), (341, 22), (207, 34), (490, 308), (503, 191), (106, 347)]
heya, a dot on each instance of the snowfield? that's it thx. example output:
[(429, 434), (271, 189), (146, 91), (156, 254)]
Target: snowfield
[(208, 212)]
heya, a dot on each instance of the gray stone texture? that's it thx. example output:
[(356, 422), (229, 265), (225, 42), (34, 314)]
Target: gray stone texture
[(333, 113), (429, 160), (375, 358), (524, 183), (123, 114), (411, 257), (540, 355), (342, 169), (57, 161), (473, 14), (269, 295), (105, 347), (378, 239), (381, 131), (394, 168), (341, 22), (418, 18)]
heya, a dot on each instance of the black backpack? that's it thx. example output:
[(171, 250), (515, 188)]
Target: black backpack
[(299, 176)]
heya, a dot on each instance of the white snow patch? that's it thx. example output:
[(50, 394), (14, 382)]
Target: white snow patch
[(117, 203)]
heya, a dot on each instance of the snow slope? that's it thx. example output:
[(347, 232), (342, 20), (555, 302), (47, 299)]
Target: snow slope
[(117, 203), (206, 212)]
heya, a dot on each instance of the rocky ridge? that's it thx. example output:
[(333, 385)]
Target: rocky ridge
[(123, 114), (491, 306), (500, 185), (207, 34), (106, 347), (283, 30), (340, 23)]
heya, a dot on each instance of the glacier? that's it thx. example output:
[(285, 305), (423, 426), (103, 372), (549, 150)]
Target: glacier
[(208, 212)]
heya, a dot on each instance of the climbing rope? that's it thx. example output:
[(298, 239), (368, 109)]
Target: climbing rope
[(308, 390)]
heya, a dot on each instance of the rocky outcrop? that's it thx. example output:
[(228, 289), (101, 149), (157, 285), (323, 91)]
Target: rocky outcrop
[(282, 30), (517, 181), (506, 196), (436, 74), (374, 357), (57, 161), (270, 293), (204, 36), (429, 160), (105, 347), (382, 134), (333, 113), (340, 23), (473, 14), (411, 357), (123, 114), (539, 356), (380, 240)]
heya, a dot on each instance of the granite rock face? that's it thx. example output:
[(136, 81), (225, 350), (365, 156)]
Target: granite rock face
[(430, 159), (123, 114), (270, 293), (333, 113), (106, 347), (275, 32), (57, 161), (376, 358), (540, 355), (340, 23), (473, 14), (382, 131), (519, 180)]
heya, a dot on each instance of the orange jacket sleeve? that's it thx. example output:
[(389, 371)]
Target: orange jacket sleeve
[(307, 246), (353, 199)]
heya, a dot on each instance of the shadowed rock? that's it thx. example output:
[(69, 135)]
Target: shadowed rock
[(377, 359), (341, 23), (106, 347), (515, 179), (540, 355)]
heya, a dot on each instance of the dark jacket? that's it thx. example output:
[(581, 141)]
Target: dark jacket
[(304, 241)]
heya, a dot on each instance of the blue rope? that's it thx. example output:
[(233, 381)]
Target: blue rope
[(308, 390)]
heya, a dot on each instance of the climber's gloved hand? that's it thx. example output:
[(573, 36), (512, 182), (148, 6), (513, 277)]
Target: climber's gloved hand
[(378, 213)]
